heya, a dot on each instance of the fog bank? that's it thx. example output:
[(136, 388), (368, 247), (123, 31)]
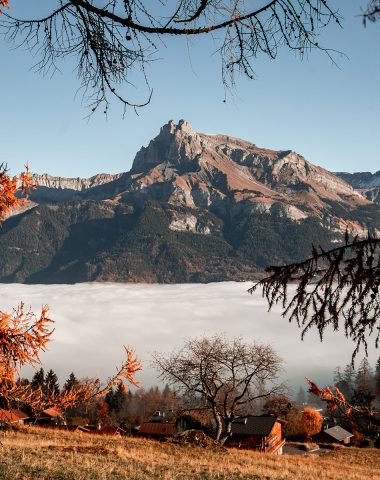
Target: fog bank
[(94, 320)]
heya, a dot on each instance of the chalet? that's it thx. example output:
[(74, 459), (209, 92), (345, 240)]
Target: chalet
[(156, 429), (50, 416), (12, 416), (260, 433), (335, 434)]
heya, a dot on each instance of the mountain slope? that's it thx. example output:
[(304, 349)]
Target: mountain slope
[(193, 208), (367, 183)]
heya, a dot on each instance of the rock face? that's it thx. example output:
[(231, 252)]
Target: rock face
[(224, 174), (194, 207), (366, 183), (77, 184), (227, 174), (61, 189)]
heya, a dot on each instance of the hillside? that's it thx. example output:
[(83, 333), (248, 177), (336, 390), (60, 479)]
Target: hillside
[(43, 454), (193, 208)]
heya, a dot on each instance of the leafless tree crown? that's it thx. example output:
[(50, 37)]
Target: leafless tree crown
[(338, 288), (112, 40), (227, 375)]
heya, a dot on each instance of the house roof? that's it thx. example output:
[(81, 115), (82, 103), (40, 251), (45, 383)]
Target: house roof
[(20, 414), (338, 433), (10, 416), (253, 425), (53, 412), (153, 428)]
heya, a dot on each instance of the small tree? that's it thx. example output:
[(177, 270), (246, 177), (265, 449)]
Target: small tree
[(227, 376), (312, 421), (22, 337)]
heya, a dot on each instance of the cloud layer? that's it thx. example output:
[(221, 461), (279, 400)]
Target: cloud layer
[(94, 320)]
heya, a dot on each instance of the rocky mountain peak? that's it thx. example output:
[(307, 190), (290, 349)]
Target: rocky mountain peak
[(172, 128), (176, 145)]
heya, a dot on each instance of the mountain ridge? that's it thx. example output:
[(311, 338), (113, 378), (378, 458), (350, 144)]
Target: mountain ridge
[(194, 207)]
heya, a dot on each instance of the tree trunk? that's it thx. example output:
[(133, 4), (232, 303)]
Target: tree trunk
[(227, 432), (219, 425)]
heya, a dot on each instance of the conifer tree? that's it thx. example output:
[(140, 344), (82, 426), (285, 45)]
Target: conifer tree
[(364, 377), (301, 396), (38, 380), (71, 382), (51, 384), (120, 398)]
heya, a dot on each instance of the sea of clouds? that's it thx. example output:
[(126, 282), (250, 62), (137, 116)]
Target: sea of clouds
[(94, 320)]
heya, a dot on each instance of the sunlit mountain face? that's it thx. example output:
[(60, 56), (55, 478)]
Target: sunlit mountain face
[(194, 208)]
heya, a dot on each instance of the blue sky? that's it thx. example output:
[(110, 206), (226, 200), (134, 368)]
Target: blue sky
[(329, 114)]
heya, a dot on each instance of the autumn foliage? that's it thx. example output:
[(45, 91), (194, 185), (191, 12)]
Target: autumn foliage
[(312, 421), (3, 3), (23, 335), (334, 400), (9, 186)]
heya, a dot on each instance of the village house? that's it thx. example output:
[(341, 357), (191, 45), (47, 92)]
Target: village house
[(335, 434), (51, 416), (13, 416), (260, 433), (156, 430)]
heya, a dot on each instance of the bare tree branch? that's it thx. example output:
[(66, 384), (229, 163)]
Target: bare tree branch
[(113, 41), (372, 12), (338, 287)]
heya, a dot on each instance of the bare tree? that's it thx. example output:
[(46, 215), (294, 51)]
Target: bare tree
[(337, 287), (226, 375), (112, 40)]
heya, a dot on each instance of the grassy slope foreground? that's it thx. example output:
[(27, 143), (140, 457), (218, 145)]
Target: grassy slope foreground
[(39, 454)]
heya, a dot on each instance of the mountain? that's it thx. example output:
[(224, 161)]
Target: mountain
[(194, 207), (366, 183)]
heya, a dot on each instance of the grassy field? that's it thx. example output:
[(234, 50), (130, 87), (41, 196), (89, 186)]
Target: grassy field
[(38, 454)]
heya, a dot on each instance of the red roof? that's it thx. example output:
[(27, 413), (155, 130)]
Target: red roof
[(11, 416), (159, 429), (53, 412), (21, 415)]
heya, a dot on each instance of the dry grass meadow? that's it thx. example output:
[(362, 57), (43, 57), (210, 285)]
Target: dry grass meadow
[(38, 454)]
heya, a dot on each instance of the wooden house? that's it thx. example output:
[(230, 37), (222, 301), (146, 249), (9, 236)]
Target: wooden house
[(156, 430), (260, 433), (51, 416), (12, 416), (335, 434)]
